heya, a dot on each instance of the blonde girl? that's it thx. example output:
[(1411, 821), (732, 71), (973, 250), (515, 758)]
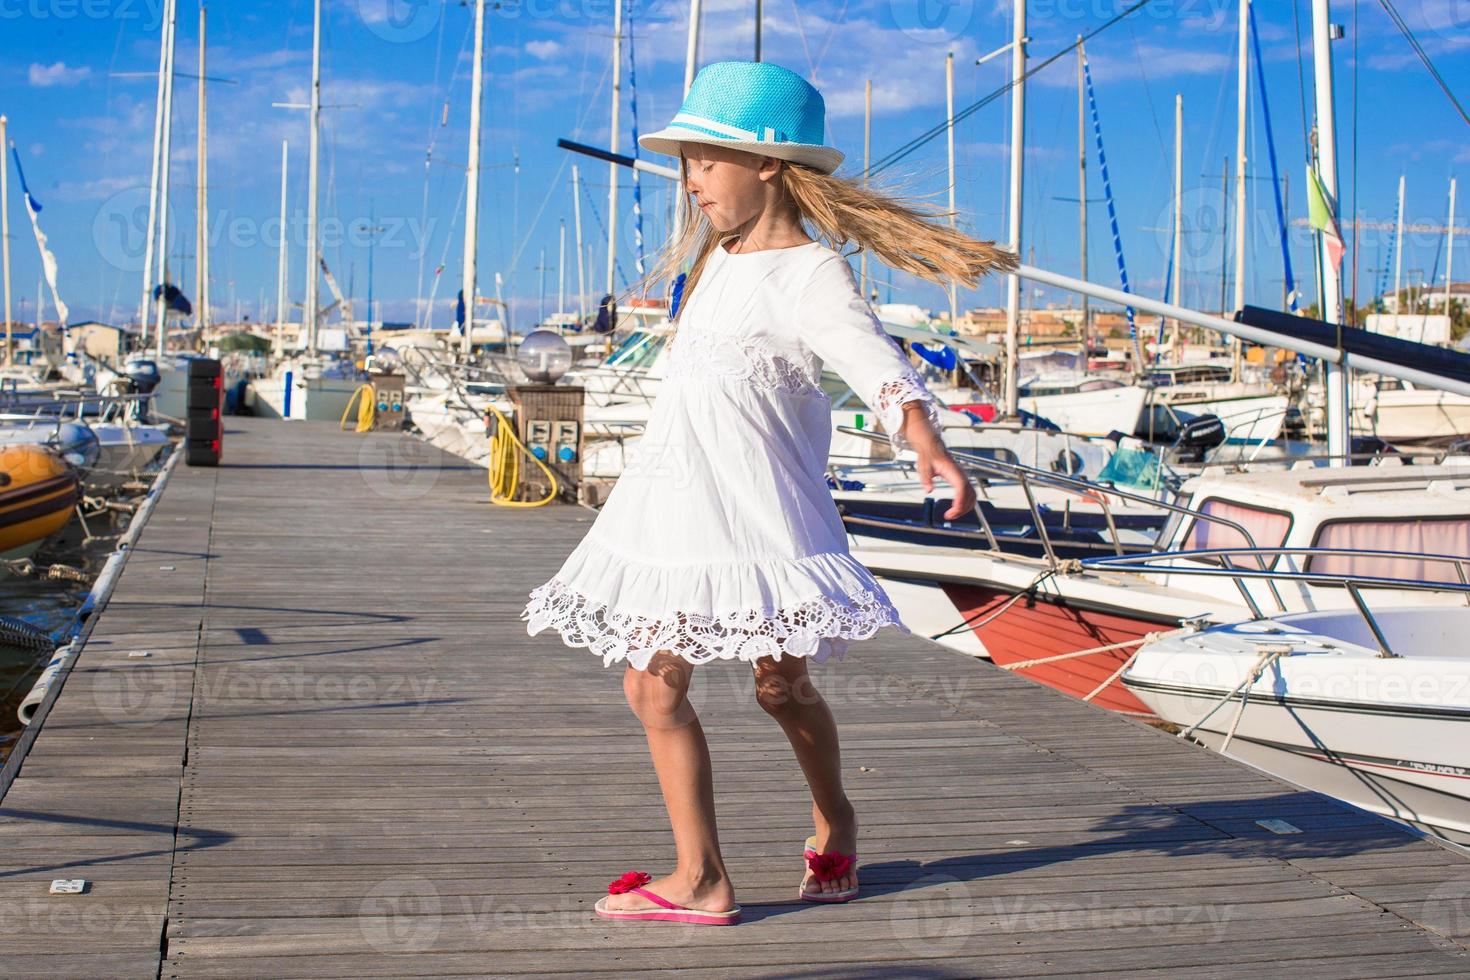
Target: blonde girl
[(721, 540)]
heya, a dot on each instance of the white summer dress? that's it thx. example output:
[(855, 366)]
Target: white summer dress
[(721, 539)]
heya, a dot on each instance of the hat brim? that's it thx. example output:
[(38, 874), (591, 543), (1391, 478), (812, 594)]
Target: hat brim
[(666, 141)]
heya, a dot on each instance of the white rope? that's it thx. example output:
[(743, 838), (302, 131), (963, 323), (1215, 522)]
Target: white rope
[(1269, 655), (1024, 664), (1117, 673)]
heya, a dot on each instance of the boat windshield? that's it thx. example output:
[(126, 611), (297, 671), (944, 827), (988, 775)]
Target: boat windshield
[(637, 350), (1408, 537)]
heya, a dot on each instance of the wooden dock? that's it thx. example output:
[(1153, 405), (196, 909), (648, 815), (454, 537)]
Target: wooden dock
[(343, 757)]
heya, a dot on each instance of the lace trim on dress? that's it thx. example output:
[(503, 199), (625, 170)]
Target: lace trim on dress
[(796, 631), (891, 397), (707, 354)]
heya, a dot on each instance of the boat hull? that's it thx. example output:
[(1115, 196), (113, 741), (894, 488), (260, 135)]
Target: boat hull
[(1323, 746), (1386, 734), (1048, 627), (36, 499)]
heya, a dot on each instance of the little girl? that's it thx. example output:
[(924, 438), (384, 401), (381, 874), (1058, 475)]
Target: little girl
[(721, 541)]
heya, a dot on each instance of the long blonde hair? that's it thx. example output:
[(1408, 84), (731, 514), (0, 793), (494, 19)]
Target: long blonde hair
[(904, 235)]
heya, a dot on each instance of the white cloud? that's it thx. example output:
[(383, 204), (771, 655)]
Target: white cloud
[(45, 76), (543, 50)]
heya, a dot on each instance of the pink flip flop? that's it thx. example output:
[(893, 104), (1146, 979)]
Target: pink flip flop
[(828, 866), (668, 911)]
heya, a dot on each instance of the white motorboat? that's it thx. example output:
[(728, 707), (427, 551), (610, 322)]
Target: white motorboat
[(1085, 405), (1078, 625), (1379, 719), (1399, 412)]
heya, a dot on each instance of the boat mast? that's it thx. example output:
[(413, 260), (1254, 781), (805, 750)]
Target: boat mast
[(164, 41), (282, 315), (691, 53), (577, 220), (472, 187), (313, 259), (1177, 290), (1013, 217), (1082, 202), (201, 208), (1338, 435), (1449, 249), (867, 164), (612, 168), (1241, 95), (5, 237), (561, 269), (949, 137), (163, 168), (1398, 258)]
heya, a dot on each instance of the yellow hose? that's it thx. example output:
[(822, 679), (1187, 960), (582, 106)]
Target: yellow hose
[(505, 466), (367, 407)]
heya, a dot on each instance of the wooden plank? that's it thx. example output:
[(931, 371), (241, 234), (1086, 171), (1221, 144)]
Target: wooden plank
[(346, 758)]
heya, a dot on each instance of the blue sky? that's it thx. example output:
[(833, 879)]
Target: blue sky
[(398, 74)]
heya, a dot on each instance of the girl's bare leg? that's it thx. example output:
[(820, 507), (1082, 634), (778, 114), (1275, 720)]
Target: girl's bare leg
[(785, 690), (659, 697)]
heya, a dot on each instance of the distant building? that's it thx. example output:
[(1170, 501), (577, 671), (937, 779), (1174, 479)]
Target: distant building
[(103, 341)]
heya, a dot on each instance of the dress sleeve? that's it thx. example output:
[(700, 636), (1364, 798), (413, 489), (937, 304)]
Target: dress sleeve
[(835, 323)]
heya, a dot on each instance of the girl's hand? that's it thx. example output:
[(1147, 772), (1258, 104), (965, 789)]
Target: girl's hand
[(934, 459)]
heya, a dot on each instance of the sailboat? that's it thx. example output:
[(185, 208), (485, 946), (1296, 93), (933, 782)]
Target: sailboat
[(308, 383)]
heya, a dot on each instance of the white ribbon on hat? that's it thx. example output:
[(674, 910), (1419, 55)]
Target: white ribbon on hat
[(724, 129)]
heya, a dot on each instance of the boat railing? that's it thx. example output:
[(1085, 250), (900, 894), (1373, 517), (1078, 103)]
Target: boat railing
[(1217, 563), (421, 362), (1029, 478), (1248, 421), (76, 407)]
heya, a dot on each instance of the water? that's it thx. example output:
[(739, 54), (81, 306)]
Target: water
[(49, 605)]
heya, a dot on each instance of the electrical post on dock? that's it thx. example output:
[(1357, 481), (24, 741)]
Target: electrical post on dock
[(379, 401), (536, 456)]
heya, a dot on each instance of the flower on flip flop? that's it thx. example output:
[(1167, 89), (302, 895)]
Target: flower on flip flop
[(829, 866), (628, 882)]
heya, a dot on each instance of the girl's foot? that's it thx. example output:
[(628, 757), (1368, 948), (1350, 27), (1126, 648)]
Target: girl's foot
[(837, 832), (709, 894)]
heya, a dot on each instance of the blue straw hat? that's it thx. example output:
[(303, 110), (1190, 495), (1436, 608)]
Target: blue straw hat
[(754, 106)]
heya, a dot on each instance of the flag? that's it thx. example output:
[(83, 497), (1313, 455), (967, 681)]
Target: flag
[(173, 298), (48, 261), (1323, 212)]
